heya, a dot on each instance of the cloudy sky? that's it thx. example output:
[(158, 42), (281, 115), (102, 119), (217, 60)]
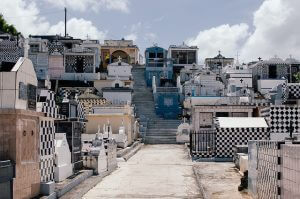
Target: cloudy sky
[(250, 28)]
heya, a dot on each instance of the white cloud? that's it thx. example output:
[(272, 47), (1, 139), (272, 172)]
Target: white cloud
[(131, 36), (276, 32), (225, 37), (25, 16), (121, 5), (135, 30), (95, 5), (150, 37), (78, 28), (136, 27)]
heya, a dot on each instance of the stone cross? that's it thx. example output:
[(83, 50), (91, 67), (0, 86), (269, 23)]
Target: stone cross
[(241, 80), (120, 59)]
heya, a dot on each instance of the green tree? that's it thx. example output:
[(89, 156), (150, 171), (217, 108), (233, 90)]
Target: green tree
[(5, 27), (297, 77)]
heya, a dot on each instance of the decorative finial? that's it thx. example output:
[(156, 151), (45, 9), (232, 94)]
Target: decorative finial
[(99, 129), (76, 96)]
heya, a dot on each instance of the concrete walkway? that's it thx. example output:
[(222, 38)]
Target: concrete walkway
[(156, 171), (220, 180)]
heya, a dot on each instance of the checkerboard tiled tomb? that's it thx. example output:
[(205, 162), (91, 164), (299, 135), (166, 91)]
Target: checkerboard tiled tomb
[(227, 138), (282, 117), (274, 169), (46, 104), (294, 90), (47, 149)]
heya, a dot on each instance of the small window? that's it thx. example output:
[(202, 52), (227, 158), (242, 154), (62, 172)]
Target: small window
[(222, 114), (160, 55), (151, 55), (43, 99), (272, 71)]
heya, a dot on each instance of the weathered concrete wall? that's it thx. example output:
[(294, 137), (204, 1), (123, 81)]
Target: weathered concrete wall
[(19, 142), (115, 121)]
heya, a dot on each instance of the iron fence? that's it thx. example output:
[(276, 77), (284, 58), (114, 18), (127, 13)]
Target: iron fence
[(202, 143)]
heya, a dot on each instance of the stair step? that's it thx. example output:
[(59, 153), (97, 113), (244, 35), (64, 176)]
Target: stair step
[(159, 131), (160, 140), (160, 135), (163, 129)]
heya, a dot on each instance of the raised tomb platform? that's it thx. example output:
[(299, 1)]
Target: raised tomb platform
[(63, 163)]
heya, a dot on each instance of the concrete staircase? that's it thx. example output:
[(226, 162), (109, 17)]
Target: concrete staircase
[(157, 130)]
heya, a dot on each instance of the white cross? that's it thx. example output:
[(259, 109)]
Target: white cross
[(120, 59)]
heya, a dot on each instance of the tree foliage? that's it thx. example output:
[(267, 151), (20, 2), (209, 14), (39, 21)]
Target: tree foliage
[(297, 76), (7, 28)]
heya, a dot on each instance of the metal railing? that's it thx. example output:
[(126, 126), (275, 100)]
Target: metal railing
[(202, 143)]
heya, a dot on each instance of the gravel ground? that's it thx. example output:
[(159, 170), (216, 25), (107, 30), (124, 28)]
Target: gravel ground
[(219, 180)]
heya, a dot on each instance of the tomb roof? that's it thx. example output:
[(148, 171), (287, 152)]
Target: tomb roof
[(241, 122)]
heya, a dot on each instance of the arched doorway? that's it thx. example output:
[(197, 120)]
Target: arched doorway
[(119, 53)]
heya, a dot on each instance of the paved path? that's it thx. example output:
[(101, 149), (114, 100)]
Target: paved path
[(156, 171), (220, 180)]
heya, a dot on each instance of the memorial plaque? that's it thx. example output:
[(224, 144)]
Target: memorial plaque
[(68, 109), (168, 101), (31, 90), (22, 91), (64, 109)]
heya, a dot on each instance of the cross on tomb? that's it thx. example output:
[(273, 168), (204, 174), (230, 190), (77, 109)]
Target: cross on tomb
[(241, 80), (120, 59)]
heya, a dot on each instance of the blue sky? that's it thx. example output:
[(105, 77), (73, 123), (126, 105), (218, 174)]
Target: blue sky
[(171, 21), (252, 28)]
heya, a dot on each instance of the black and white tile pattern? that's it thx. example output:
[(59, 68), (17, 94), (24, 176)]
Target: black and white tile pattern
[(80, 111), (294, 90), (47, 105), (227, 138), (268, 169), (282, 117), (10, 51), (47, 149)]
